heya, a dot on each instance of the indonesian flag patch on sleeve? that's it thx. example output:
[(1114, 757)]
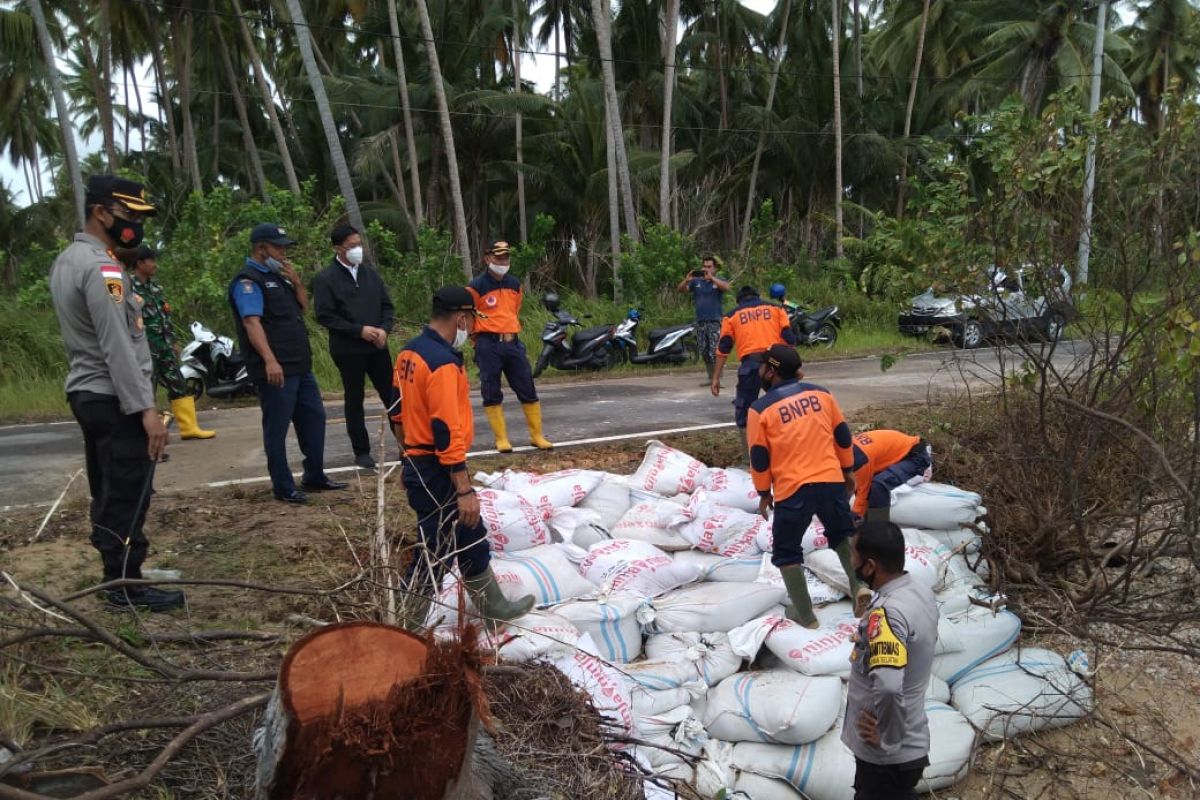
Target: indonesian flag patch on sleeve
[(885, 650), (114, 281)]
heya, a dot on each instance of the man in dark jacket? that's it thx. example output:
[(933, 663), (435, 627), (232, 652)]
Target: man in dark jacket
[(268, 302), (353, 303)]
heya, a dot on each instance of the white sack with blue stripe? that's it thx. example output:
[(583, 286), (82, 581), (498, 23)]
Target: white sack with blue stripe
[(610, 621), (720, 569), (933, 505), (710, 655), (708, 607), (980, 634), (544, 572), (640, 568), (776, 707)]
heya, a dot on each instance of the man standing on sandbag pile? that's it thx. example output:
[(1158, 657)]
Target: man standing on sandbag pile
[(752, 326), (800, 450), (885, 725), (434, 426), (883, 460)]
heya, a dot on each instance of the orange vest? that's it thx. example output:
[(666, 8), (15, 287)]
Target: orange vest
[(882, 449), (753, 326), (797, 435), (499, 300), (434, 406)]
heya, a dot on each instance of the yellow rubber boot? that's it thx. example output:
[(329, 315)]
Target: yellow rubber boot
[(533, 418), (495, 415), (184, 409)]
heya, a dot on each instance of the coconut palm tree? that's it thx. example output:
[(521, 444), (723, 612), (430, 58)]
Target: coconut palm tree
[(60, 104), (670, 40), (410, 140), (1165, 54), (602, 22)]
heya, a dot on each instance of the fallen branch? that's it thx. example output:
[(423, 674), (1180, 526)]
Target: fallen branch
[(54, 507), (257, 587), (146, 776)]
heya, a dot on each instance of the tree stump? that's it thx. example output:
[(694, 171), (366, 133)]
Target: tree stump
[(364, 710)]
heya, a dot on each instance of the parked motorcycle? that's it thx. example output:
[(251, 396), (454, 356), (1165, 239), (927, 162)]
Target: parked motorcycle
[(814, 328), (589, 348), (671, 345), (210, 363)]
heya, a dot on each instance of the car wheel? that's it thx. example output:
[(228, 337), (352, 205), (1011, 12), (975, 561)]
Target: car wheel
[(195, 388), (969, 335), (1055, 324)]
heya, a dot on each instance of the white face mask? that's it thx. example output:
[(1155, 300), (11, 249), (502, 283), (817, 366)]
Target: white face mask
[(499, 269), (460, 338), (354, 256)]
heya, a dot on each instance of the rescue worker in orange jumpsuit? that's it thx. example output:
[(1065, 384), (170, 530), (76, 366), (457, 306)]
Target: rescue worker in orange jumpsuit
[(883, 460), (498, 347), (802, 463), (752, 326), (435, 426)]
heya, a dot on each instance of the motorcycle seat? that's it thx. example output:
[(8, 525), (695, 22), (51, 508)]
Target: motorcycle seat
[(658, 333), (821, 314), (594, 332)]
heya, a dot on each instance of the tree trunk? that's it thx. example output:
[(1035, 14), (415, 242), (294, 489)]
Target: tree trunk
[(137, 98), (406, 114), (240, 105), (60, 105), (780, 48), (216, 136), (837, 128), (439, 91), (183, 63), (522, 223), (603, 22), (336, 154), (858, 62), (722, 80), (614, 214), (166, 107), (670, 36), (104, 102), (268, 101), (363, 709), (398, 168), (908, 111)]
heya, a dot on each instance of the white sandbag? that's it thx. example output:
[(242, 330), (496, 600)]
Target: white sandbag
[(952, 602), (713, 528), (651, 702), (611, 623), (964, 573), (650, 521), (921, 561), (820, 770), (512, 522), (610, 499), (824, 651), (709, 654), (1021, 691), (813, 539), (577, 526), (607, 687), (640, 568), (819, 592), (750, 786), (667, 471), (676, 729), (707, 607), (731, 487), (938, 690), (935, 505), (712, 567), (780, 707), (951, 745), (544, 572), (565, 487), (959, 540), (982, 634), (538, 634), (658, 674)]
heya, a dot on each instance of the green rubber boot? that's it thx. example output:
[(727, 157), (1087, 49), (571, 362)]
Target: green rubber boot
[(860, 594), (801, 611), (491, 602)]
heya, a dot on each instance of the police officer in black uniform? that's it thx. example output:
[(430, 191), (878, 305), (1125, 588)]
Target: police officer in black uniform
[(109, 382), (268, 302)]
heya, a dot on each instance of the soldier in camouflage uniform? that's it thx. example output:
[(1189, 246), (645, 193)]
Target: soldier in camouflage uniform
[(156, 311)]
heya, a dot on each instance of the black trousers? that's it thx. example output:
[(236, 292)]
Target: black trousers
[(118, 469), (887, 782), (355, 369), (444, 540)]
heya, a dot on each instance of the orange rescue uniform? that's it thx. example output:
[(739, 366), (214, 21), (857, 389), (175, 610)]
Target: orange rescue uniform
[(797, 436), (434, 407), (882, 449), (753, 326), (500, 300)]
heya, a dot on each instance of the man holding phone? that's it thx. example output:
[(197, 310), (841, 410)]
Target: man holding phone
[(707, 290), (268, 301)]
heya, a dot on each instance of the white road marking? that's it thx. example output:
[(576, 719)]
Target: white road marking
[(521, 449)]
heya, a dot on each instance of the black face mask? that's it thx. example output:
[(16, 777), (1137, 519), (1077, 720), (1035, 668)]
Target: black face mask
[(869, 582), (124, 232)]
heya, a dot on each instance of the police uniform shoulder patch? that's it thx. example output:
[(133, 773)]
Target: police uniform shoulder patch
[(884, 648), (247, 286)]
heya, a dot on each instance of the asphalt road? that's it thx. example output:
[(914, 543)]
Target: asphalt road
[(37, 460)]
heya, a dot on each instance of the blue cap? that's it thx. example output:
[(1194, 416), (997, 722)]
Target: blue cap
[(270, 233)]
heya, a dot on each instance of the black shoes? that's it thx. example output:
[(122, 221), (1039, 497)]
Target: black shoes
[(365, 461), (145, 597), (323, 485), (294, 496)]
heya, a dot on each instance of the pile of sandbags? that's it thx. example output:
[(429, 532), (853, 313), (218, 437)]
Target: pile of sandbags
[(656, 594)]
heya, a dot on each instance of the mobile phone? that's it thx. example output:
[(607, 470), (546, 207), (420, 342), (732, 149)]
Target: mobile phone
[(697, 273)]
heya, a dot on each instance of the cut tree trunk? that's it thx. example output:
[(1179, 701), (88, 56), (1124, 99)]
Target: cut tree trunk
[(366, 710)]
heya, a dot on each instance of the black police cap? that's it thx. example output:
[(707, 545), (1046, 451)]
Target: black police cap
[(454, 298), (103, 189)]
